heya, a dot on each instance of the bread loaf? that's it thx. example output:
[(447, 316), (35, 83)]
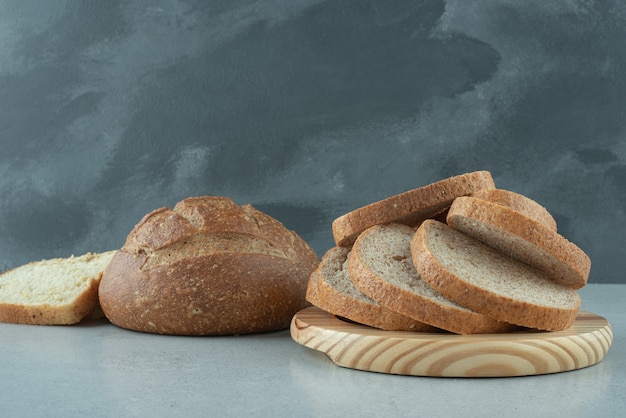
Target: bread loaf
[(207, 267), (380, 264), (485, 280), (58, 291), (521, 237), (410, 207), (339, 296)]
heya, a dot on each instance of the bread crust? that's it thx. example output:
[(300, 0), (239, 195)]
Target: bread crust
[(519, 203), (410, 207), (450, 317), (312, 294), (521, 237), (520, 311), (362, 311), (207, 267)]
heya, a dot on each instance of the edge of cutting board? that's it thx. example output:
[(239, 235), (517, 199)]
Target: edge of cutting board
[(521, 353)]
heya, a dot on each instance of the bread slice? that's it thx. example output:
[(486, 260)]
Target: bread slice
[(312, 295), (339, 296), (485, 280), (59, 291), (380, 265), (522, 238), (410, 207), (519, 203)]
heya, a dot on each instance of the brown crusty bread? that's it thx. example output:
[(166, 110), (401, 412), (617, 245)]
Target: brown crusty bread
[(519, 203), (57, 291), (207, 267), (410, 207), (339, 296), (380, 265), (521, 237), (312, 295), (485, 280)]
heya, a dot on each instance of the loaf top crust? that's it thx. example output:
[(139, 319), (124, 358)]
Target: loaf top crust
[(204, 225)]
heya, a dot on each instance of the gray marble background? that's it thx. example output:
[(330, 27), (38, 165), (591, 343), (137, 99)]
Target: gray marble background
[(305, 109)]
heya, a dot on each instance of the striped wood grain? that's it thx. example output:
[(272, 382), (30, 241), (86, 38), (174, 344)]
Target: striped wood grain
[(444, 354)]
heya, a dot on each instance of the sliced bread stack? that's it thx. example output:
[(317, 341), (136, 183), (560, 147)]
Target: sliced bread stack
[(458, 255), (331, 289)]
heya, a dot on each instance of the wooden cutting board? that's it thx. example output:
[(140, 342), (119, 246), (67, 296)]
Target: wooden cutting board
[(444, 354)]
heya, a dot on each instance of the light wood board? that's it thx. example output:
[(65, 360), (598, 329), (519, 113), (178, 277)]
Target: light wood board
[(521, 353)]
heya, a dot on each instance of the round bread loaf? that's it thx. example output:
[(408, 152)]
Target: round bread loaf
[(207, 267)]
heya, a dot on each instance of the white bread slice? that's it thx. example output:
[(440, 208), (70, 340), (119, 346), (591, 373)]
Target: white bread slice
[(380, 265), (519, 203), (339, 296), (518, 236), (410, 207), (59, 291), (485, 280)]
